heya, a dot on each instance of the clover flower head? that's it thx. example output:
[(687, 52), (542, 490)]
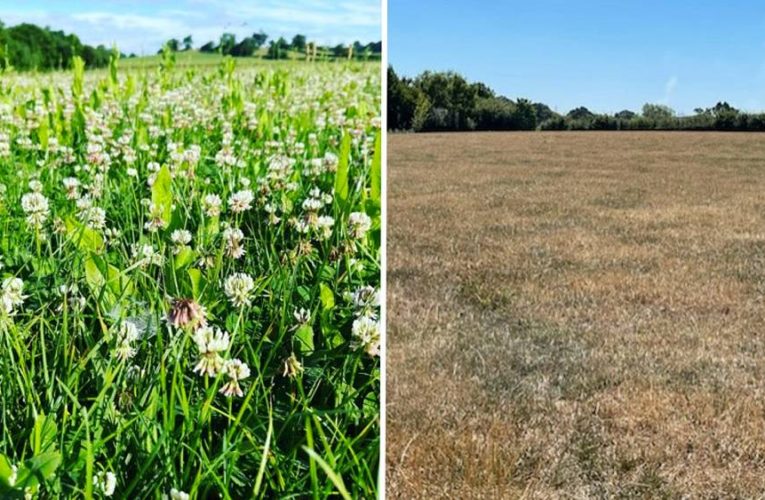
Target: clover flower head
[(210, 342), (235, 370), (241, 201), (359, 223), (366, 333), (238, 288)]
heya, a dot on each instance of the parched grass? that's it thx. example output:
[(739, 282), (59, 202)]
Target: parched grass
[(111, 383), (576, 315)]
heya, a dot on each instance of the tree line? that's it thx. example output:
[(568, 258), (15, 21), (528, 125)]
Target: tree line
[(27, 46), (278, 48), (446, 101)]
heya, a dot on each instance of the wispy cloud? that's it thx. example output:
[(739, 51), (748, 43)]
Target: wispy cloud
[(669, 89), (105, 21)]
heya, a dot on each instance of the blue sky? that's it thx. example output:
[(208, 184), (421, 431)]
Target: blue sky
[(142, 26), (607, 55)]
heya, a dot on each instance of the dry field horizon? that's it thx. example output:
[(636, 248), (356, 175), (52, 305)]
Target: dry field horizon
[(576, 315)]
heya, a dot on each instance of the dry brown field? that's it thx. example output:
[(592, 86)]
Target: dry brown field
[(576, 315)]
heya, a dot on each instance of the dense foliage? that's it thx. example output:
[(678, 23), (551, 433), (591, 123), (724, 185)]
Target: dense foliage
[(27, 46), (30, 47), (189, 282), (280, 48), (445, 101)]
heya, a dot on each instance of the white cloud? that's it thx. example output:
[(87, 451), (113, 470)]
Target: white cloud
[(669, 89), (105, 20)]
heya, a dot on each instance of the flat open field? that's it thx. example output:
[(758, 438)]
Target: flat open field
[(576, 315)]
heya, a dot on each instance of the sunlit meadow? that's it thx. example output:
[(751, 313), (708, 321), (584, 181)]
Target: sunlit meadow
[(189, 281)]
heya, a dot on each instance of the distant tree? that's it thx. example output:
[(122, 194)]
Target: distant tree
[(374, 47), (657, 112), (358, 49), (446, 101), (723, 107), (298, 43), (494, 113), (580, 113), (625, 114), (482, 90), (422, 110), (525, 116), (260, 39), (227, 43), (543, 112), (277, 49), (173, 44), (555, 123), (339, 50), (402, 102), (604, 122), (726, 117), (188, 42), (451, 98), (208, 47)]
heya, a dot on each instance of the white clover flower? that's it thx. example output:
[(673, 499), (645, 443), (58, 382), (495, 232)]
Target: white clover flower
[(11, 296), (83, 205), (236, 371), (271, 209), (366, 299), (302, 316), (156, 220), (238, 288), (178, 495), (127, 334), (106, 481), (331, 161), (35, 205), (315, 167), (131, 172), (312, 204), (210, 342), (72, 186), (241, 201), (292, 367), (35, 185), (211, 204), (145, 255), (366, 333), (233, 238), (71, 294), (180, 238), (96, 218), (323, 226), (358, 224), (301, 226)]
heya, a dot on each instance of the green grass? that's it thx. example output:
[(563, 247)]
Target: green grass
[(202, 59), (195, 58), (96, 379)]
